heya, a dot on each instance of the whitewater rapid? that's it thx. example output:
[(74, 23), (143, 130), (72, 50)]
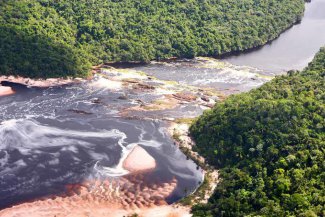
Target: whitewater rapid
[(53, 137)]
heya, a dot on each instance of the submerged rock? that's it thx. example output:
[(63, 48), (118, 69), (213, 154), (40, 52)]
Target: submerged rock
[(123, 97), (80, 112), (142, 86), (205, 98), (185, 96), (96, 101)]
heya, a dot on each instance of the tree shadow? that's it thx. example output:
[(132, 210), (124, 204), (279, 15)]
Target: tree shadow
[(36, 56)]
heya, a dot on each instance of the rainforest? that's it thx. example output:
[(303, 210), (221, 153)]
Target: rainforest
[(43, 38), (162, 108), (269, 145)]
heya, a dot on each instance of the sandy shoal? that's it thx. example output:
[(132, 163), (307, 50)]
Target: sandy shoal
[(5, 91), (139, 160)]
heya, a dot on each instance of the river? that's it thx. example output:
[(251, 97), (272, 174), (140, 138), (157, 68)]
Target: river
[(52, 137), (294, 48)]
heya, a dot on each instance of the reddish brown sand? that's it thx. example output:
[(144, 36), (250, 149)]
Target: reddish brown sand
[(139, 160), (5, 91), (98, 198), (112, 197)]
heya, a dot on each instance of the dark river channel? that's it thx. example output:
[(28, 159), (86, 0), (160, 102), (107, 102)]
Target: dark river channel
[(46, 142), (294, 48)]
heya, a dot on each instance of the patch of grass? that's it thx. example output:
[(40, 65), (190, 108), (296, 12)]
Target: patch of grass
[(176, 136), (188, 121)]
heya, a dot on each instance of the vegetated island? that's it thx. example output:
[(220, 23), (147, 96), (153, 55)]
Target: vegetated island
[(43, 38), (269, 145)]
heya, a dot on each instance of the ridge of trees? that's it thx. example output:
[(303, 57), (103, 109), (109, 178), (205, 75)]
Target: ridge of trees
[(73, 35), (269, 145)]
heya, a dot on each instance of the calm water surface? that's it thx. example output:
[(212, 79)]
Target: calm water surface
[(294, 48)]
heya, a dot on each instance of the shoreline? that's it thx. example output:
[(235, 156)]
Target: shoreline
[(40, 83), (255, 48), (125, 196), (222, 56), (98, 197), (55, 82), (6, 91), (128, 195), (179, 131)]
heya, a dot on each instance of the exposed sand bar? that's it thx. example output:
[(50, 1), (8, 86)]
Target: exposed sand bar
[(113, 197), (5, 91), (131, 193), (139, 160)]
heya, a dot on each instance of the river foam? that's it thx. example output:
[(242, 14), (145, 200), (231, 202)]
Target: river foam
[(50, 138)]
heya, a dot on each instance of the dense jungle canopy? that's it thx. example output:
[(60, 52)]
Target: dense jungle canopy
[(269, 145), (46, 38)]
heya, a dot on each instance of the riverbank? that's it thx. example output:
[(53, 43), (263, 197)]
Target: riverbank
[(173, 102), (69, 48), (172, 95), (293, 50), (41, 83), (133, 192), (100, 211), (179, 131), (129, 195)]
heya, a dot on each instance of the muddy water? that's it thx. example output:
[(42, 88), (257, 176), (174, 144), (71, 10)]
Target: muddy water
[(294, 48), (53, 137)]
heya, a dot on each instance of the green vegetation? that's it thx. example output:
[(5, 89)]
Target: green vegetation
[(46, 38), (187, 121), (269, 145)]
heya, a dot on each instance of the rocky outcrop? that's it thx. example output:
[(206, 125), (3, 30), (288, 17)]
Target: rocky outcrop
[(43, 83), (189, 97)]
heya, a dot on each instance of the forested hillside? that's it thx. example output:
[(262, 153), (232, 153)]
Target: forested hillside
[(269, 144), (45, 38)]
